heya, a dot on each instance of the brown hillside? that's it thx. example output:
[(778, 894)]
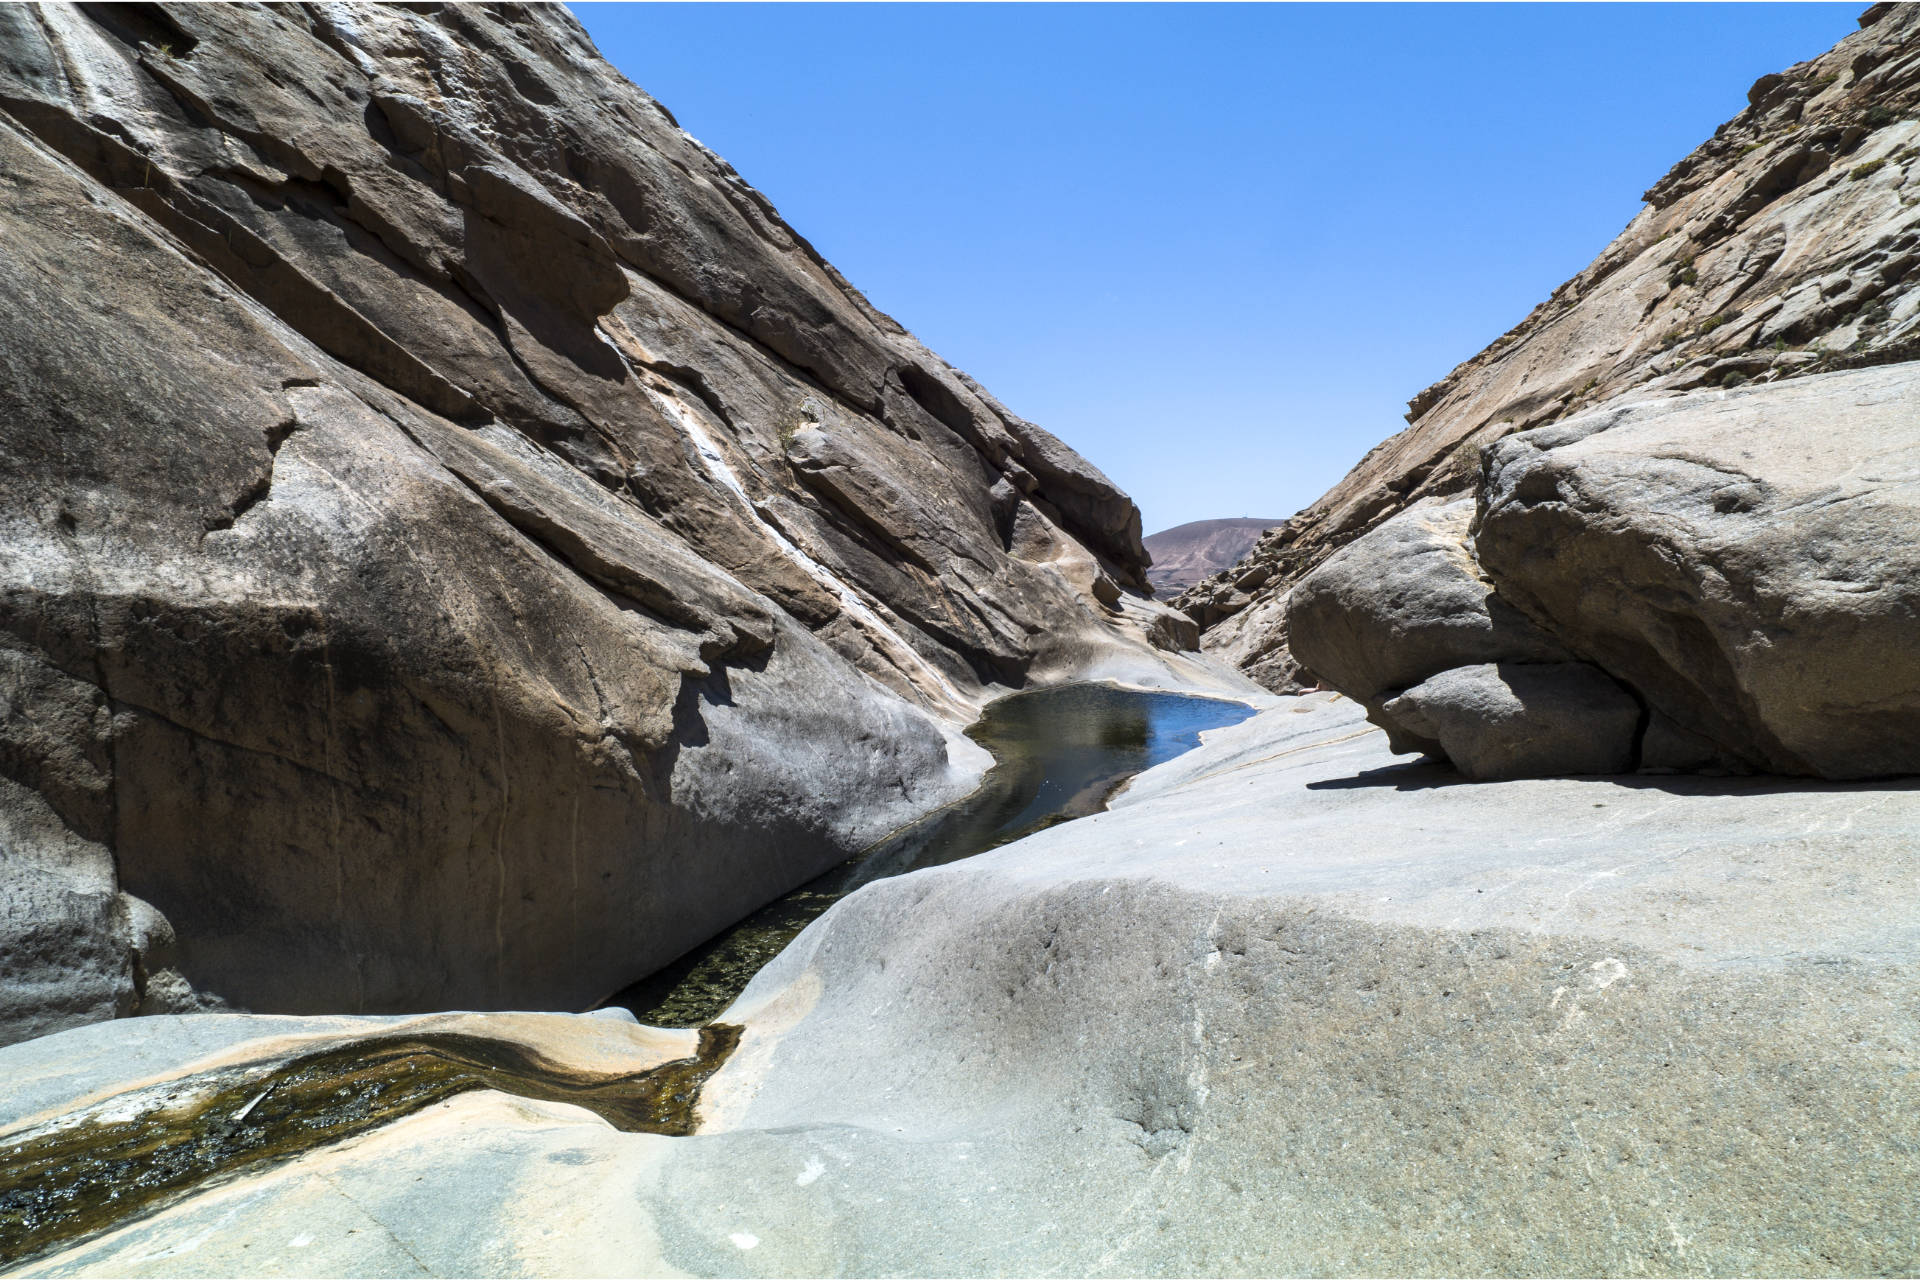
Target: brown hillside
[(1185, 554)]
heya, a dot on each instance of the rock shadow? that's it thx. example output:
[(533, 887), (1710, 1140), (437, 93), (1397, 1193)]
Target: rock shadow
[(1427, 773), (1410, 776)]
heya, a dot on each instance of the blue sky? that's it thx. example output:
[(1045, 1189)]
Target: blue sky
[(1216, 248)]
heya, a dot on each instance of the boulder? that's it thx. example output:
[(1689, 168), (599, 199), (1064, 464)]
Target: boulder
[(1742, 562), (1404, 602), (1521, 720), (1174, 632), (1401, 604), (1748, 561)]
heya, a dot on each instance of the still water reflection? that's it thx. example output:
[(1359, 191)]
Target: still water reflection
[(1059, 754)]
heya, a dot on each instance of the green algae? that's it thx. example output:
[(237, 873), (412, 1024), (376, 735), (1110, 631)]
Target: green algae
[(65, 1181)]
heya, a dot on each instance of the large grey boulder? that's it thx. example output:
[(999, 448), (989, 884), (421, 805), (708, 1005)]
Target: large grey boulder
[(1290, 1008), (1403, 603), (1748, 561), (458, 546), (1522, 720), (1744, 565)]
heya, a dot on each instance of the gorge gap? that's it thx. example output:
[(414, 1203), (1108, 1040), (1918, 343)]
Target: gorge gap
[(1059, 754)]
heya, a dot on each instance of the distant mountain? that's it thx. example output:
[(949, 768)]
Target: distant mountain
[(1185, 554)]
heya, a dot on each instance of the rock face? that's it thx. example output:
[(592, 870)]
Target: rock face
[(460, 547), (1407, 601), (1787, 244), (1748, 560), (1290, 1008), (1743, 565), (1185, 554), (1518, 720)]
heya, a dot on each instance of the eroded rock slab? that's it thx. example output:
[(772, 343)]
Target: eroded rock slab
[(1748, 560), (1404, 603), (1735, 567), (1291, 1007), (1520, 720)]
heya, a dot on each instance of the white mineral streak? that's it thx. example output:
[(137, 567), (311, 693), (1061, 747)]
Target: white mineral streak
[(883, 636)]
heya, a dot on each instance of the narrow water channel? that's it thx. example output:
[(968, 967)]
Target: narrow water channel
[(70, 1180), (1059, 754)]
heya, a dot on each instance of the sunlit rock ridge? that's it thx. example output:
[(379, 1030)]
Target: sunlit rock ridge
[(1783, 249), (461, 547)]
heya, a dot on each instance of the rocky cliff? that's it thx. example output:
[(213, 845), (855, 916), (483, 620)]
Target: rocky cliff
[(1785, 246), (461, 547), (1290, 1006)]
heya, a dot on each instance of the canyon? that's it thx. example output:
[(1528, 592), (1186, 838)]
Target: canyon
[(464, 552)]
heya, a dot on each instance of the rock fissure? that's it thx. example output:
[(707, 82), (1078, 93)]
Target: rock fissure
[(262, 488)]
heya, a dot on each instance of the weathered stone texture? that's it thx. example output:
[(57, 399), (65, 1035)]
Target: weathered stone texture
[(1741, 564), (1291, 1008), (458, 546), (1748, 560), (1787, 244)]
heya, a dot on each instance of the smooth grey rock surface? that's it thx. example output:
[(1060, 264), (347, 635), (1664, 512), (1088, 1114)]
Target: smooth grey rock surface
[(1403, 603), (1522, 720), (458, 546), (1748, 561), (1290, 1007), (1743, 562)]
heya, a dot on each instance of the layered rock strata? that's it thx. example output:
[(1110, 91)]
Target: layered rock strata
[(1788, 244), (461, 547), (1290, 1008)]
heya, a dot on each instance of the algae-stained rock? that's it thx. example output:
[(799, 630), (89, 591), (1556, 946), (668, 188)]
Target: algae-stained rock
[(1748, 561), (404, 584), (1403, 603), (1521, 720)]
